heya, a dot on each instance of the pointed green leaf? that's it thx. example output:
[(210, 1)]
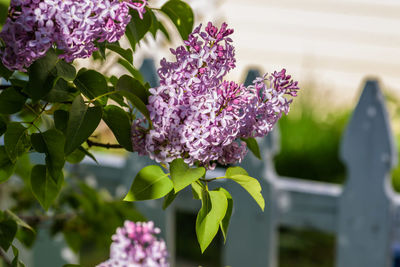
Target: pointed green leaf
[(18, 220), (4, 72), (251, 185), (41, 78), (118, 121), (253, 146), (128, 66), (55, 142), (225, 222), (181, 15), (154, 23), (61, 120), (150, 183), (83, 120), (87, 153), (16, 140), (44, 187), (125, 53), (11, 101), (3, 125), (182, 175), (235, 171), (137, 103), (7, 167), (65, 70), (76, 156), (137, 28), (168, 199), (61, 92), (16, 262), (212, 212), (52, 143), (129, 84), (197, 189), (8, 230), (92, 84)]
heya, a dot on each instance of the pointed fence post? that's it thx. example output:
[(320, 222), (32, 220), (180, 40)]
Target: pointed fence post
[(365, 207), (252, 234)]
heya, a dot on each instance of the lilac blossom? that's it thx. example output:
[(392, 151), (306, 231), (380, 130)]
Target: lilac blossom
[(197, 115), (33, 26), (135, 245)]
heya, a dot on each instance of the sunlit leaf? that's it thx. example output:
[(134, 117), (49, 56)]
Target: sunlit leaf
[(150, 183), (181, 15), (182, 175)]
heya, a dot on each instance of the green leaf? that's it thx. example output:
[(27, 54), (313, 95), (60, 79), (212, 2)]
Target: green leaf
[(154, 23), (44, 187), (4, 72), (164, 31), (213, 209), (129, 84), (41, 78), (169, 199), (137, 28), (182, 175), (11, 101), (65, 70), (251, 185), (8, 230), (61, 120), (87, 153), (253, 146), (16, 262), (181, 15), (76, 156), (118, 121), (7, 167), (137, 103), (128, 66), (125, 53), (16, 140), (18, 220), (224, 224), (92, 84), (150, 183), (52, 143), (83, 120), (61, 92), (197, 188), (3, 125)]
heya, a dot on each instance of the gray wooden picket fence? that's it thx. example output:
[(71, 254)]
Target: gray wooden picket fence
[(364, 214)]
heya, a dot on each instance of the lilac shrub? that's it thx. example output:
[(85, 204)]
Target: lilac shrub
[(33, 26), (197, 115), (135, 244)]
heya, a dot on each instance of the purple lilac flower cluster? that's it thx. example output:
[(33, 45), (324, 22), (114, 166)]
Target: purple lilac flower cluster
[(135, 245), (33, 26), (198, 116)]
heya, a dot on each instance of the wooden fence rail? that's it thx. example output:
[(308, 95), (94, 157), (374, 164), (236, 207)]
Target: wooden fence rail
[(364, 214)]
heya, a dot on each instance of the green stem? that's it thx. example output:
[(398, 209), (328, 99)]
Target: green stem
[(100, 96), (211, 179), (5, 258)]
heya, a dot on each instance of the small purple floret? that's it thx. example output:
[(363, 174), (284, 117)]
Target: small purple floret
[(135, 244)]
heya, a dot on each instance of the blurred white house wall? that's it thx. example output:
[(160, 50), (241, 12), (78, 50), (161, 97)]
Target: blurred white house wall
[(332, 43)]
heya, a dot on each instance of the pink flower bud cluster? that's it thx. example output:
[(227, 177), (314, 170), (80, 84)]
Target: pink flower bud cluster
[(33, 26), (135, 245), (198, 116)]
